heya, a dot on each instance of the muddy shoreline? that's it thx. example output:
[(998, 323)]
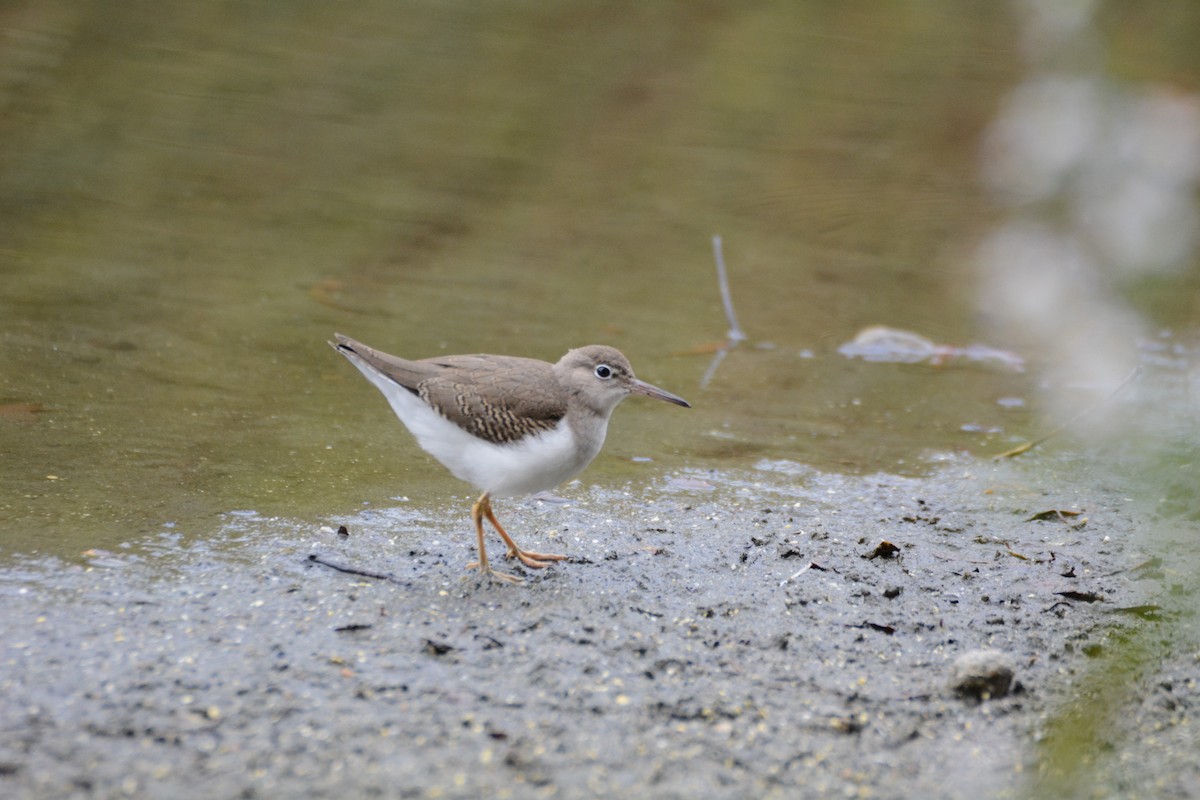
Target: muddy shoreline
[(753, 640)]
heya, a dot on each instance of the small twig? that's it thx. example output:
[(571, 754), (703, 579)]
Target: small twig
[(381, 576), (796, 574), (1024, 448), (735, 334)]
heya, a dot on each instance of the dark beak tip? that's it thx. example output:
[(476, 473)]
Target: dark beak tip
[(650, 390)]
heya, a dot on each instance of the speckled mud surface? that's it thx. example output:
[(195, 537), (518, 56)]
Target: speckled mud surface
[(734, 642)]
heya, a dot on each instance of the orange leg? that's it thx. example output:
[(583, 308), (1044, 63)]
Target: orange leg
[(477, 512), (526, 557), (482, 508)]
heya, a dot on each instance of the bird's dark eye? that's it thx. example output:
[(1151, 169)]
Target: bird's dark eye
[(603, 371)]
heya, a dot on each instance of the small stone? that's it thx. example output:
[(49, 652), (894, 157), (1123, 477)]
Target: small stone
[(982, 675)]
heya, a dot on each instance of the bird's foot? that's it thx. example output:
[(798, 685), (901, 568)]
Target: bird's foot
[(534, 560), (487, 570)]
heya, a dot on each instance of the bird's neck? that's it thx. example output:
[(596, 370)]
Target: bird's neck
[(589, 427)]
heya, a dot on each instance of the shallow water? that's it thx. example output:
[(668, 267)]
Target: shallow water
[(196, 198)]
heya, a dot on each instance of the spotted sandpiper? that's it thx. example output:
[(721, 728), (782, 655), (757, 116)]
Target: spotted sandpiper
[(508, 425)]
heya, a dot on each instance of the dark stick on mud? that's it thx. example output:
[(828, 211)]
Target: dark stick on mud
[(381, 576)]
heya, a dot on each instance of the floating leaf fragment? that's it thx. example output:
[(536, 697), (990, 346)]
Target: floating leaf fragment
[(892, 345), (21, 412)]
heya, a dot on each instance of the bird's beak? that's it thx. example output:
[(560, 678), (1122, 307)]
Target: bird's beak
[(641, 387)]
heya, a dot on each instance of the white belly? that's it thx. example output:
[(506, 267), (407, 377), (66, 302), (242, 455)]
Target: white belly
[(533, 464)]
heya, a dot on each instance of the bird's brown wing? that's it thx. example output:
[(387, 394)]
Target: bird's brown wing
[(408, 374), (498, 398)]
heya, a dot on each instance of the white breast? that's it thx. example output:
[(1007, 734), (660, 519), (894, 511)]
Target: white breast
[(533, 464)]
